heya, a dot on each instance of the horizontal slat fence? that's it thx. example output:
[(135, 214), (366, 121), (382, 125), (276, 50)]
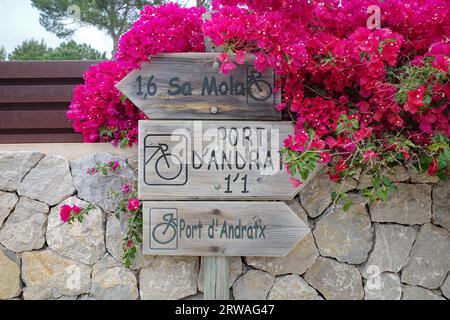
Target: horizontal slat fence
[(34, 99)]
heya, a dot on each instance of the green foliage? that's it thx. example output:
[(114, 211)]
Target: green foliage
[(411, 77), (3, 53), (63, 17), (30, 50), (35, 50), (73, 51)]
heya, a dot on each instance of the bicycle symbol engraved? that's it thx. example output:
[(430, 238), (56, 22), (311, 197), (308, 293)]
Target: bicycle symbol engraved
[(166, 231), (161, 167), (258, 89), (171, 167)]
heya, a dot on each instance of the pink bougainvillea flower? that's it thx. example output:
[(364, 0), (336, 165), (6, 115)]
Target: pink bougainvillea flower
[(133, 204), (415, 100), (126, 188), (341, 166), (76, 209), (281, 106), (223, 57), (296, 183), (369, 154), (130, 244), (114, 165), (325, 157), (227, 67), (240, 56), (334, 177), (433, 167), (65, 213)]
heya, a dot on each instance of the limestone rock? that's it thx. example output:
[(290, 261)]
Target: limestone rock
[(7, 204), (47, 275), (292, 287), (111, 281), (169, 278), (198, 296), (133, 162), (93, 188), (346, 236), (393, 244), (446, 288), (419, 293), (410, 205), (298, 209), (335, 280), (82, 242), (424, 177), (10, 285), (50, 181), (115, 233), (429, 260), (316, 194), (300, 259), (385, 286), (14, 167), (253, 285), (397, 174), (235, 272), (441, 204), (25, 228)]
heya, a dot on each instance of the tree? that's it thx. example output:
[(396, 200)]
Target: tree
[(2, 53), (73, 51), (62, 17), (30, 50), (35, 50)]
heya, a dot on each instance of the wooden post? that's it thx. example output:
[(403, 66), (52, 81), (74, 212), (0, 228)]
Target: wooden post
[(216, 278), (216, 269)]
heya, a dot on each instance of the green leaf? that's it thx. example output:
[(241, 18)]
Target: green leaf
[(347, 206)]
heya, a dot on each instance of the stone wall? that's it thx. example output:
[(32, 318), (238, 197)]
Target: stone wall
[(394, 250)]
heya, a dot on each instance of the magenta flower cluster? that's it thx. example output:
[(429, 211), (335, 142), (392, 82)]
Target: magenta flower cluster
[(98, 109)]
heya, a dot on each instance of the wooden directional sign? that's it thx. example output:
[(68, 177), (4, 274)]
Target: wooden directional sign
[(221, 228), (213, 160), (191, 86)]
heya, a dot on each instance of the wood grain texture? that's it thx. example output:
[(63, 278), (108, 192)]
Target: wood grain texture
[(216, 278), (167, 225), (27, 119), (189, 171), (44, 69), (36, 94), (221, 102), (39, 136)]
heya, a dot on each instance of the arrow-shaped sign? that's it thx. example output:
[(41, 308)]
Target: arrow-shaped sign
[(221, 228), (191, 86)]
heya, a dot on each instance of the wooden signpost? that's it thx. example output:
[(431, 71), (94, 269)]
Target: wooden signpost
[(215, 160), (183, 159), (221, 228), (190, 86)]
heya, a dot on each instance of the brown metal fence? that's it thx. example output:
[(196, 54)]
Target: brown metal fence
[(34, 99)]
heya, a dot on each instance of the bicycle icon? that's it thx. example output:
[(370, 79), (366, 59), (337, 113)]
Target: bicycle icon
[(258, 89), (161, 167), (166, 231)]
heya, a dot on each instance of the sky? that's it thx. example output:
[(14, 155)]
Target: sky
[(19, 21)]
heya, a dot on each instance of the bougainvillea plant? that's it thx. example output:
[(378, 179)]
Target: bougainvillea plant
[(363, 98)]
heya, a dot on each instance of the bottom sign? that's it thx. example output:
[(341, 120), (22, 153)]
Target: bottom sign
[(269, 229)]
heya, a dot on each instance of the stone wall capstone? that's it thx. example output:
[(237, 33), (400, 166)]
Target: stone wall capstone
[(394, 250)]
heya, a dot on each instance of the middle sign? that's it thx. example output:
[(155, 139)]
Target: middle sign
[(216, 160)]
